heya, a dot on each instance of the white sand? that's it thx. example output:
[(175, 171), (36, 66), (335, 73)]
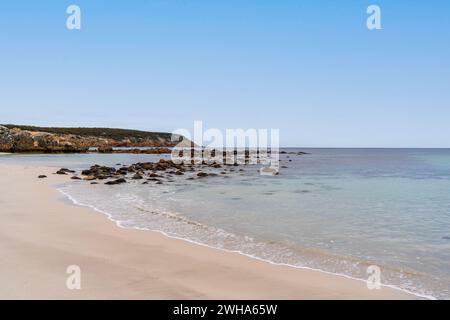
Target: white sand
[(41, 235)]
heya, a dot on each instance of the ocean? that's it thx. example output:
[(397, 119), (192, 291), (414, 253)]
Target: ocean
[(334, 210)]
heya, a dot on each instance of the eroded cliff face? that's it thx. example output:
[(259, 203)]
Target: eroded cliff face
[(16, 140), (6, 139)]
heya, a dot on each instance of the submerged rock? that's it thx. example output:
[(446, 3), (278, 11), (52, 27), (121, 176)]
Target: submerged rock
[(202, 174), (64, 171), (118, 181)]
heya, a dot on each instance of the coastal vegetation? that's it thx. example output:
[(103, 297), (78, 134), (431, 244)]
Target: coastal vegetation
[(111, 133)]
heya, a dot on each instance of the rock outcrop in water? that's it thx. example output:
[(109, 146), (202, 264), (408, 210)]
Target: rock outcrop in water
[(165, 170), (158, 172), (78, 140)]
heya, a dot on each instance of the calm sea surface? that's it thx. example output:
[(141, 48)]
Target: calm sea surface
[(337, 210)]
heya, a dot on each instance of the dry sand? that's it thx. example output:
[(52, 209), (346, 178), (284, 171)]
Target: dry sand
[(41, 235)]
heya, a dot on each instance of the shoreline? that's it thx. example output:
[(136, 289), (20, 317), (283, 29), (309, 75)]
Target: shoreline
[(73, 201), (207, 273)]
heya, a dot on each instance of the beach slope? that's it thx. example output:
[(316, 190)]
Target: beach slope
[(41, 234)]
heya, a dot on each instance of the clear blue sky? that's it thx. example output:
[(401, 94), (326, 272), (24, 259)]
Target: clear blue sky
[(310, 68)]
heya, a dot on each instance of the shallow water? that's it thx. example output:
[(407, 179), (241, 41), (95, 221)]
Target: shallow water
[(338, 210)]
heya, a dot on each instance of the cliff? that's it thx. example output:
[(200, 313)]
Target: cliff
[(14, 138)]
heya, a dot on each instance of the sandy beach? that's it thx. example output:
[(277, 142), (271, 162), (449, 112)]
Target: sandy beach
[(41, 234)]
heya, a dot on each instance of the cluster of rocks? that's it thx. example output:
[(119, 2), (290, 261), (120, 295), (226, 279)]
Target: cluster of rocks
[(165, 170), (299, 153), (158, 172), (135, 150), (212, 152)]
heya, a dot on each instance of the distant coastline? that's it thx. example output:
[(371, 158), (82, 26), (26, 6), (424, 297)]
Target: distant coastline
[(21, 138)]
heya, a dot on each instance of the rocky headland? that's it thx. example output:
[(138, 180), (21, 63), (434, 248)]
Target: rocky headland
[(14, 138)]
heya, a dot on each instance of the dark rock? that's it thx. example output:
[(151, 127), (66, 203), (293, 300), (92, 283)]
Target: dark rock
[(99, 172), (42, 176), (145, 151), (137, 176), (105, 150), (118, 181), (75, 178), (202, 174)]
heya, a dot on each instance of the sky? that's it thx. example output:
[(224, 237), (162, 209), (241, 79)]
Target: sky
[(311, 69)]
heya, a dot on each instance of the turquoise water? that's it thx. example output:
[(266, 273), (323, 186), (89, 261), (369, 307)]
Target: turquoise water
[(337, 210)]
